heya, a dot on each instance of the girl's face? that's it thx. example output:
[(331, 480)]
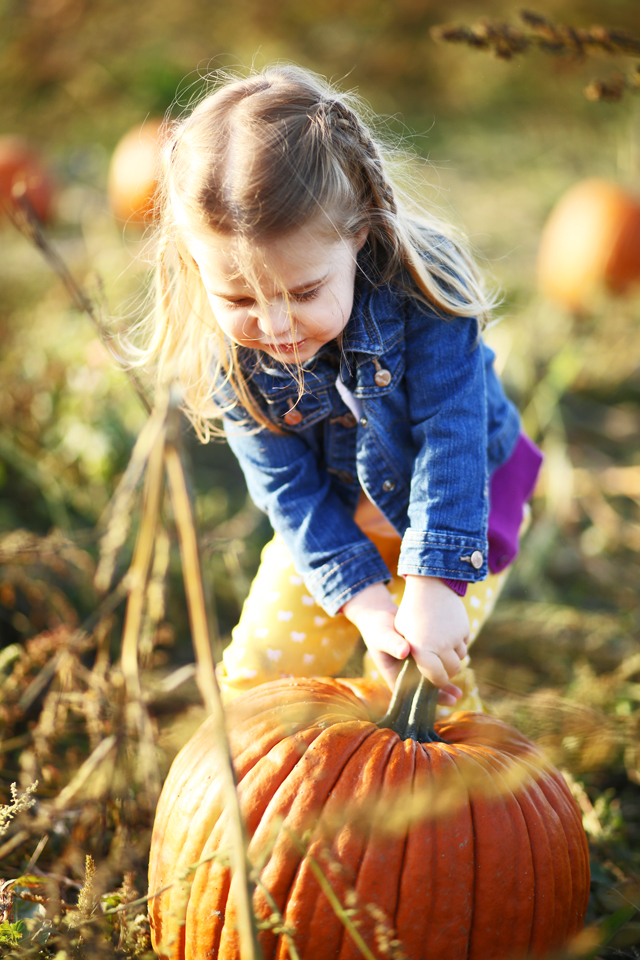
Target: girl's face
[(292, 317)]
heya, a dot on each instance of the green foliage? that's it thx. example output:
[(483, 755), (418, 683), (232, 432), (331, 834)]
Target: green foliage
[(12, 933)]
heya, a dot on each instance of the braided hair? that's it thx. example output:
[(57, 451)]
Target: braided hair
[(359, 140)]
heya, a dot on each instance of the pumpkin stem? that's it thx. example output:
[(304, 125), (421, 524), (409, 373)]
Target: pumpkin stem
[(412, 711)]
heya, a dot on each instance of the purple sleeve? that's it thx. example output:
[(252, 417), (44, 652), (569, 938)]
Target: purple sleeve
[(511, 486), (458, 586)]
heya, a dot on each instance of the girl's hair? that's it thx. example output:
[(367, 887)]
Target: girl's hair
[(257, 158)]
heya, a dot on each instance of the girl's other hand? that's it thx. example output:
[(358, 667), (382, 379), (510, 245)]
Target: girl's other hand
[(374, 614), (434, 622)]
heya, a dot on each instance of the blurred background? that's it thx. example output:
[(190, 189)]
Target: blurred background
[(493, 144)]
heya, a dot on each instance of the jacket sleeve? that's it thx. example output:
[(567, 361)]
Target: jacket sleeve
[(448, 507), (329, 550)]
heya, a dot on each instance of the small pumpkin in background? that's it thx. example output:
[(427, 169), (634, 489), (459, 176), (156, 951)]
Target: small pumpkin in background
[(133, 173), (591, 240), (462, 836), (22, 170)]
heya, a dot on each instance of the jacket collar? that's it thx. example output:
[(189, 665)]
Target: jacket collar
[(362, 332), (376, 314), (375, 321)]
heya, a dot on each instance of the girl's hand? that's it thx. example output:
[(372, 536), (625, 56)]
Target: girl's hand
[(374, 613), (433, 621)]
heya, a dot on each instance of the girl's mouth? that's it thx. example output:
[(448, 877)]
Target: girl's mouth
[(286, 347)]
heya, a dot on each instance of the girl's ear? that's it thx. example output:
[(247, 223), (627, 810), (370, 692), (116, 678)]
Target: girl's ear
[(361, 238)]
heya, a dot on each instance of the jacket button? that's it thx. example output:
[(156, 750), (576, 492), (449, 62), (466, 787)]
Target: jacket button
[(293, 417), (349, 420), (363, 421), (388, 486), (476, 559), (382, 378)]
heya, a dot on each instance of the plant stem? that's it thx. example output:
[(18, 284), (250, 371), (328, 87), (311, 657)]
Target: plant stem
[(137, 577), (206, 678), (338, 909), (30, 227)]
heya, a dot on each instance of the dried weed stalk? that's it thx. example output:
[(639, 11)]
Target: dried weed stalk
[(19, 802), (25, 220), (506, 41)]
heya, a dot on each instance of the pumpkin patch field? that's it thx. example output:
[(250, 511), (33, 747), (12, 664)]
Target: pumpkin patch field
[(324, 818)]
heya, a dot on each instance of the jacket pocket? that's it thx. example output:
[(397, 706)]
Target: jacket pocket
[(378, 376), (296, 414)]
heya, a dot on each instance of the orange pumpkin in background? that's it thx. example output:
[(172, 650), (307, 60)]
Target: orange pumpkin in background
[(462, 836), (590, 241), (23, 170), (133, 173)]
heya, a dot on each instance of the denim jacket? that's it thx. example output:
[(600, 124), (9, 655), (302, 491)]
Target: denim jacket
[(435, 424)]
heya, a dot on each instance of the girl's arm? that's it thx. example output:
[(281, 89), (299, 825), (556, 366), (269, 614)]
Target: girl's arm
[(336, 559), (448, 377), (448, 507)]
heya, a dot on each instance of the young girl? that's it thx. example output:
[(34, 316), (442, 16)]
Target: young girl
[(338, 339)]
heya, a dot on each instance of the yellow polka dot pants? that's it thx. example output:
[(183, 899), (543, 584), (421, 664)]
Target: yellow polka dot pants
[(283, 632)]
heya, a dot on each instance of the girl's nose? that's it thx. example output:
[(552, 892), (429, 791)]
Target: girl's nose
[(275, 320)]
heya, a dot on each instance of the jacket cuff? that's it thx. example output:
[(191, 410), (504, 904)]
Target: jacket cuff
[(335, 583), (443, 555)]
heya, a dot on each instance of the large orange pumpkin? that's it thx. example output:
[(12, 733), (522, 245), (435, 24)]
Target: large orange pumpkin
[(465, 839), (23, 170), (133, 173), (591, 240)]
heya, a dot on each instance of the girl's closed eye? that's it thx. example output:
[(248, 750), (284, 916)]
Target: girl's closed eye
[(246, 302), (306, 296)]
